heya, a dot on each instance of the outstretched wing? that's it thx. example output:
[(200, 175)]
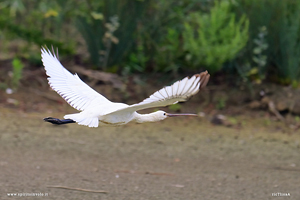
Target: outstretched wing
[(180, 91), (70, 87)]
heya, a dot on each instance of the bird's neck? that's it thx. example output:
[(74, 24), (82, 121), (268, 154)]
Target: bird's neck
[(142, 118)]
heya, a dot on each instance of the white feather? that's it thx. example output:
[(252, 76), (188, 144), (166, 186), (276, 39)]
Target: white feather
[(181, 85), (78, 94), (188, 85), (166, 96), (192, 88), (96, 109)]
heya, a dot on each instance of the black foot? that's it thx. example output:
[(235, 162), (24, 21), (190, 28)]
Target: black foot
[(58, 121)]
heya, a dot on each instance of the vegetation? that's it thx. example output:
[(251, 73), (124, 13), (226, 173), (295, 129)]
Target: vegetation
[(255, 69), (218, 37), (288, 60), (252, 39), (12, 81), (16, 73), (281, 21), (108, 28)]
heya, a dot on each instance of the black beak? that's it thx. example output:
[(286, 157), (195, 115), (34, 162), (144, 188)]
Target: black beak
[(183, 114)]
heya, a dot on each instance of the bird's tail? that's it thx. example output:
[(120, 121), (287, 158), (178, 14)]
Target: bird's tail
[(82, 120)]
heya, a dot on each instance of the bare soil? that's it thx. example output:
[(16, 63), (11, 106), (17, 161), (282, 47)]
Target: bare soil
[(250, 156), (186, 158)]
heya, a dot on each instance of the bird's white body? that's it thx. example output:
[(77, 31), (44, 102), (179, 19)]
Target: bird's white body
[(96, 110), (100, 114)]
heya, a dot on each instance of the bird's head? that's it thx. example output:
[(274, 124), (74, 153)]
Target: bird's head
[(157, 116)]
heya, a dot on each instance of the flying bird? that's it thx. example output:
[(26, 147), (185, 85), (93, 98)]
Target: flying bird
[(96, 110)]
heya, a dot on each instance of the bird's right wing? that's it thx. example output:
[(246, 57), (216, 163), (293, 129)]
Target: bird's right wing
[(78, 94), (180, 91)]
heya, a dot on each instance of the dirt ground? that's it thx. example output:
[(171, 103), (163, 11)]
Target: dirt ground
[(254, 156), (179, 158)]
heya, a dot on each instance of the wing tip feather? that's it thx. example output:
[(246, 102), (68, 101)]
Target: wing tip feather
[(204, 78), (46, 50)]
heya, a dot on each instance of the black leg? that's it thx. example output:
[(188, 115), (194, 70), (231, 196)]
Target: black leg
[(58, 121)]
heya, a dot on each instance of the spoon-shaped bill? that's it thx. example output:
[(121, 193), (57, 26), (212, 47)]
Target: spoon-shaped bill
[(182, 114)]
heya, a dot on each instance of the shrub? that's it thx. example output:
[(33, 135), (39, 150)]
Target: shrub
[(282, 20), (214, 38), (254, 69), (158, 46), (109, 29), (16, 73), (288, 59), (34, 23)]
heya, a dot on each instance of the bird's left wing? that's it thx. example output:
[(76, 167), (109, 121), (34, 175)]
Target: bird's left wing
[(78, 94), (180, 91)]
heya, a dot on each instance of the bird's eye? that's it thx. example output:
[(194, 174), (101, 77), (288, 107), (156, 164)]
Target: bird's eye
[(164, 113)]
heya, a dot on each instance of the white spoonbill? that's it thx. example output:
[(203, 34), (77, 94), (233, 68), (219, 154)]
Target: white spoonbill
[(96, 110)]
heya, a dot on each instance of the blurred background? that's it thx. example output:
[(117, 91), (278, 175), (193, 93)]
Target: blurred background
[(243, 145), (251, 41), (250, 48)]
